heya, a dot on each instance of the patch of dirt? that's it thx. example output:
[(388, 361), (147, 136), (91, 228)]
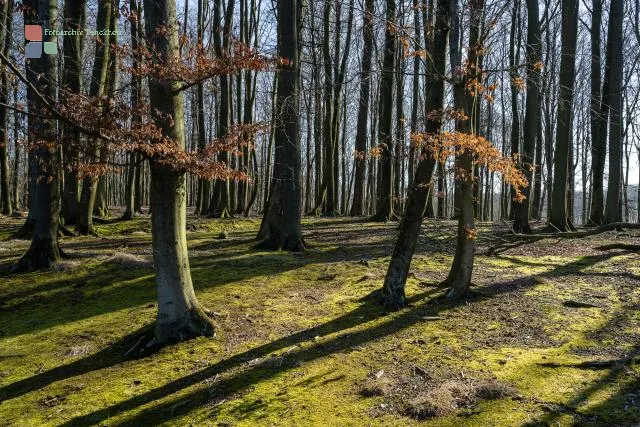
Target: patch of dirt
[(422, 396)]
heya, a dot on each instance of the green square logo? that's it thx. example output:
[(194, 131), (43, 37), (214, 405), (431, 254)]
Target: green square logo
[(50, 48)]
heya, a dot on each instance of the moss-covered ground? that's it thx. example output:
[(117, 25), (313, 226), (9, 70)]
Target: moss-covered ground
[(550, 336)]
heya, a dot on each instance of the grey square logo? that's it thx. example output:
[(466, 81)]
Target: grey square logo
[(33, 50)]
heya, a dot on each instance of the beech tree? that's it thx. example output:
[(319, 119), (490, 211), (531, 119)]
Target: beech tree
[(357, 208), (6, 20), (44, 250), (281, 223), (559, 218), (97, 89), (384, 202), (180, 315), (532, 112), (614, 66), (398, 270)]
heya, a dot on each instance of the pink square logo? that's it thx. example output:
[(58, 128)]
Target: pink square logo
[(33, 33)]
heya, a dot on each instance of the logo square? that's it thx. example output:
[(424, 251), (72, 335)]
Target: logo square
[(33, 50), (50, 48), (33, 33)]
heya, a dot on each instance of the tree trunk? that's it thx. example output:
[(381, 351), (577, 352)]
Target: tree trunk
[(459, 278), (384, 202), (97, 87), (393, 290), (531, 123), (281, 224), (6, 19), (360, 162), (615, 64), (180, 316), (74, 19), (564, 126), (44, 250), (514, 62), (136, 95), (220, 205), (598, 107)]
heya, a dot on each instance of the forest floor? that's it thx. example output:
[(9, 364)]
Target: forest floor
[(550, 336)]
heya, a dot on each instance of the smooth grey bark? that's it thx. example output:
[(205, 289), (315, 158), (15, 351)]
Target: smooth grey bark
[(514, 61), (281, 224), (360, 162), (559, 218), (599, 111), (44, 250), (97, 87), (531, 120), (612, 211), (74, 18), (136, 96), (6, 19), (459, 277), (384, 196), (180, 315), (393, 291)]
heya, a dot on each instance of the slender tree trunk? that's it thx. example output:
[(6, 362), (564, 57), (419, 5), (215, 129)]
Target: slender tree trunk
[(597, 107), (84, 223), (136, 95), (220, 205), (612, 211), (534, 47), (360, 163), (384, 202), (459, 278), (74, 18), (393, 290), (6, 20), (514, 61), (17, 154)]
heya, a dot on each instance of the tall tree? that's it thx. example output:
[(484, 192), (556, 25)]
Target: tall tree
[(357, 208), (220, 205), (97, 87), (180, 315), (136, 96), (612, 211), (599, 111), (6, 19), (532, 113), (44, 250), (514, 63), (384, 202), (559, 218), (281, 224), (459, 278), (393, 290), (74, 19)]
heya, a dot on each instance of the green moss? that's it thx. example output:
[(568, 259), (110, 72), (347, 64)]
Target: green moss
[(299, 333)]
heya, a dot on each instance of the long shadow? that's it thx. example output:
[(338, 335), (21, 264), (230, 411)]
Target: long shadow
[(613, 407), (573, 267), (105, 358), (266, 369), (237, 267)]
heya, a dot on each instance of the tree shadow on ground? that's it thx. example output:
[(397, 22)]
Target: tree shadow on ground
[(234, 382), (573, 267), (105, 358), (621, 408)]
